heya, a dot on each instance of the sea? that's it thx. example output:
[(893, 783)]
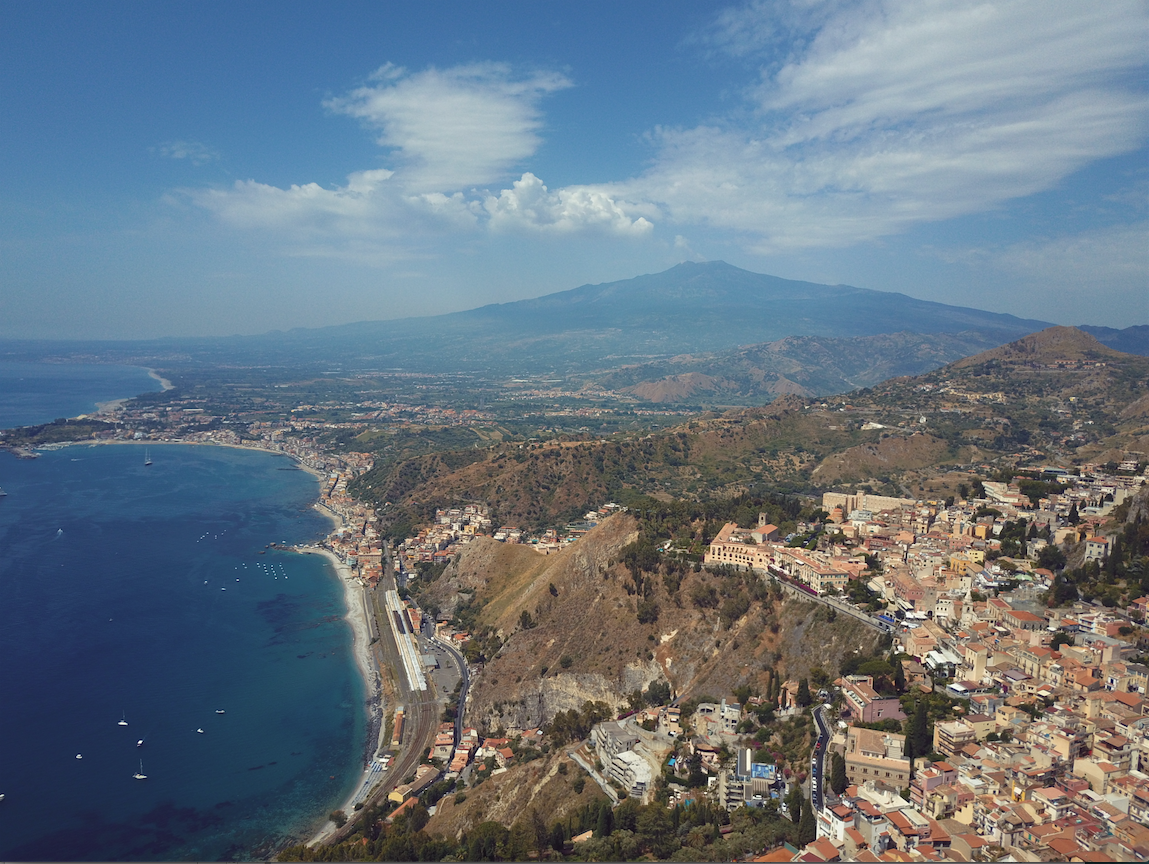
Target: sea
[(32, 393), (143, 603)]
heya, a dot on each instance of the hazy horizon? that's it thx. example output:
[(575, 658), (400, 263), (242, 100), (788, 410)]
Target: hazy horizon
[(217, 170)]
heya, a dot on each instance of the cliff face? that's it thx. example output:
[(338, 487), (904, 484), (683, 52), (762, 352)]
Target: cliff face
[(704, 634)]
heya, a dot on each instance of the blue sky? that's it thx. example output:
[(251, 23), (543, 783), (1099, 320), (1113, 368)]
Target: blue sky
[(214, 168)]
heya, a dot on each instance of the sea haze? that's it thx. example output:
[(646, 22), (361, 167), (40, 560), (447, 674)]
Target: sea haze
[(147, 592), (32, 393)]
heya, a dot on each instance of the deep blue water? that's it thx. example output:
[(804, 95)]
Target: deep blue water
[(32, 393), (112, 604)]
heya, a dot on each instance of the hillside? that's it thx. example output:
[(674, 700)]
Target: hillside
[(1058, 396), (801, 365), (596, 629)]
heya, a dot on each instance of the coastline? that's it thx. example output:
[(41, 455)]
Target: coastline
[(165, 384), (354, 598)]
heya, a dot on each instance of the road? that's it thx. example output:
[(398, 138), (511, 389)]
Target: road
[(460, 665), (817, 759)]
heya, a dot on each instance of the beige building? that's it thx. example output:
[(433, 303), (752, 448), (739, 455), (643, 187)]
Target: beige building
[(877, 756)]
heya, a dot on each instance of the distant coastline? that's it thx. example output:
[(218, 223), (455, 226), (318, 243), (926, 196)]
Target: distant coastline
[(165, 384)]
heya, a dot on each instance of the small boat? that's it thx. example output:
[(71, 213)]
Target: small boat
[(200, 731), (124, 717), (2, 493), (147, 456), (79, 755), (140, 743), (219, 711), (140, 775)]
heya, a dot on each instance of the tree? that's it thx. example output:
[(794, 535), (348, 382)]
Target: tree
[(1060, 638), (605, 821), (838, 779), (804, 697), (807, 828), (558, 837), (919, 730), (899, 677), (794, 803)]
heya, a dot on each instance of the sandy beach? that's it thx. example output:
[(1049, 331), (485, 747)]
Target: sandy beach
[(354, 595), (165, 384)]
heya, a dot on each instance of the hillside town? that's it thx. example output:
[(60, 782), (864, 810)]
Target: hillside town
[(1043, 750), (1046, 757)]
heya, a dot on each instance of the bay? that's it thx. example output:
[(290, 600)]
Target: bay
[(33, 393), (148, 593)]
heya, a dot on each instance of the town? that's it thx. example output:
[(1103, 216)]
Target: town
[(1042, 752)]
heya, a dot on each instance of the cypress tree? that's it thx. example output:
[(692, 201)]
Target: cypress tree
[(605, 821), (920, 729), (838, 779), (899, 676), (807, 828), (794, 803), (804, 697)]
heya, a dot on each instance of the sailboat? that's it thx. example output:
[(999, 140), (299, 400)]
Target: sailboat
[(141, 775), (123, 719), (147, 456)]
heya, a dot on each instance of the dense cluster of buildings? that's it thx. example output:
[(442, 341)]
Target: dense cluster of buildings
[(1047, 755)]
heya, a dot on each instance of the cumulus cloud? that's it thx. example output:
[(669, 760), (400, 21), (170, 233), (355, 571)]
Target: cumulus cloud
[(451, 128), (192, 151), (892, 113), (529, 204), (864, 119)]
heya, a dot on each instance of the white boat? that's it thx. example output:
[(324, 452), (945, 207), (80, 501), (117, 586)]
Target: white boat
[(147, 456), (200, 731), (140, 743), (79, 755), (123, 719), (141, 775), (219, 711)]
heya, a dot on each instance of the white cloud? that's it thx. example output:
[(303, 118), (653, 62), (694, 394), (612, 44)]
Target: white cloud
[(449, 131), (452, 128), (528, 204), (867, 118), (895, 113), (193, 151)]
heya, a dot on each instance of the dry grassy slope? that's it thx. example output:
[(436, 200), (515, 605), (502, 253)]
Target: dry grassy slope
[(1051, 344), (888, 455), (506, 798), (592, 620), (545, 483)]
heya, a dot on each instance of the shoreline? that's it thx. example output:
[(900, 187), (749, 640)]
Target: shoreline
[(165, 384), (354, 600), (357, 617)]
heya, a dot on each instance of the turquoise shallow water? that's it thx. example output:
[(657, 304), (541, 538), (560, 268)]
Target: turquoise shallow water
[(119, 597)]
